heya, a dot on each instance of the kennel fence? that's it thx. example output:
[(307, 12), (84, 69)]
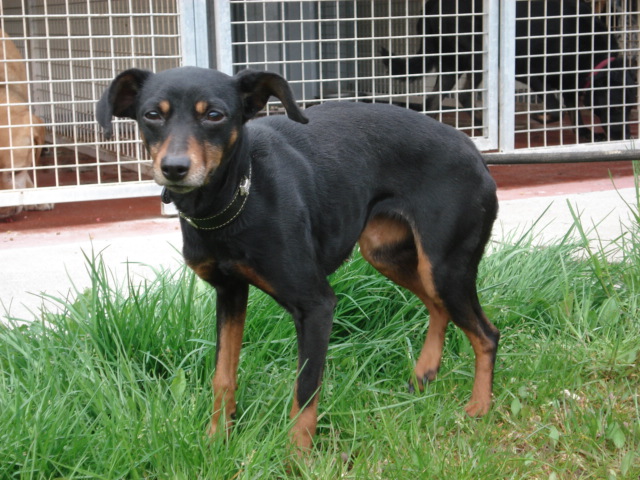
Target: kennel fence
[(328, 50), (71, 50), (334, 50)]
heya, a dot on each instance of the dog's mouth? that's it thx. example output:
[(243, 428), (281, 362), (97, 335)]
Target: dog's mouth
[(181, 189), (192, 181), (183, 170), (177, 187)]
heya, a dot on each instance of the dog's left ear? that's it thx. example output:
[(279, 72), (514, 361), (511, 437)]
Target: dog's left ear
[(120, 98), (256, 88)]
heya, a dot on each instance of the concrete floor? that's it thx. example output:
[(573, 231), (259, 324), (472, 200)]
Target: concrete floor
[(45, 251)]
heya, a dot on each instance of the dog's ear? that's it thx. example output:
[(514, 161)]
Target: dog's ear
[(120, 98), (256, 88)]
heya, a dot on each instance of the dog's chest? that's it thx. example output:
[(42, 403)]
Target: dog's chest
[(216, 263)]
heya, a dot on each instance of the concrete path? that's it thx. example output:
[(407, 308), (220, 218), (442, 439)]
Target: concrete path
[(53, 261)]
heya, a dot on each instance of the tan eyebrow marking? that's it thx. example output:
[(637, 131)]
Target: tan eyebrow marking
[(164, 106), (201, 107)]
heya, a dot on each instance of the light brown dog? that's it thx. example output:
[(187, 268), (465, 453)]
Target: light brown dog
[(21, 132)]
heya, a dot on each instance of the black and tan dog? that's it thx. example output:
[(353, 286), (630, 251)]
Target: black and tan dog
[(560, 46), (279, 203)]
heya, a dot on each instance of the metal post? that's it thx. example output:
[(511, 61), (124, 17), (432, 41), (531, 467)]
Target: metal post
[(194, 39), (223, 44), (491, 67), (194, 33), (507, 75)]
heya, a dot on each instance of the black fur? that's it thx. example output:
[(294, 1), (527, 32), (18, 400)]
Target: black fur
[(314, 188), (546, 62)]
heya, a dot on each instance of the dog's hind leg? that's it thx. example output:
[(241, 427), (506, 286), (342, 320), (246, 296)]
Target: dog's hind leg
[(444, 84), (468, 98), (454, 284), (389, 245), (395, 250)]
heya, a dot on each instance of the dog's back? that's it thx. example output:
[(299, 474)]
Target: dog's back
[(384, 139), (13, 71), (388, 155), (380, 131)]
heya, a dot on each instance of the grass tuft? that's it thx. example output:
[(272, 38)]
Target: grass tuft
[(116, 382)]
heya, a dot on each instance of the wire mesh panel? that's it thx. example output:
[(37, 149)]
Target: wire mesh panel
[(393, 51), (446, 58), (576, 64), (67, 52)]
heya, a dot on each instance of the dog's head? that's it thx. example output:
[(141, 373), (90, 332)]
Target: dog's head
[(191, 118), (614, 95)]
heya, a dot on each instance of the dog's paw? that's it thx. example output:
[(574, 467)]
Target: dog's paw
[(600, 137), (214, 429), (40, 207), (6, 213), (477, 408), (422, 380)]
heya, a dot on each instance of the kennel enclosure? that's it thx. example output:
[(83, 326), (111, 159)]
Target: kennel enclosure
[(328, 50)]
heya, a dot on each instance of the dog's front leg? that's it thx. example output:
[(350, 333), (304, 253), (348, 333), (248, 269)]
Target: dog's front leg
[(313, 326), (231, 309)]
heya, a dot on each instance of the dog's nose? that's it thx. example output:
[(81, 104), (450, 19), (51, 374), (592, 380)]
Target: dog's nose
[(175, 168)]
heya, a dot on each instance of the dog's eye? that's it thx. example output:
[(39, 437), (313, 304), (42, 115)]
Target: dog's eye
[(213, 116), (153, 115)]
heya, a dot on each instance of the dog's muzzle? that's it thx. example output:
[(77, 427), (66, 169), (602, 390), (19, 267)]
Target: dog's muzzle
[(175, 169)]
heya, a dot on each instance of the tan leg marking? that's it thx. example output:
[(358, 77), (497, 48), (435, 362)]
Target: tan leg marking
[(204, 270), (251, 276), (415, 272), (428, 363), (425, 271), (431, 355), (416, 275), (383, 233), (225, 378), (480, 401), (304, 428)]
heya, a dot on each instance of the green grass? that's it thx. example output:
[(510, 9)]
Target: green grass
[(117, 384)]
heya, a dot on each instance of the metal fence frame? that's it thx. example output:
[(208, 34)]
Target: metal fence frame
[(500, 98), (96, 40)]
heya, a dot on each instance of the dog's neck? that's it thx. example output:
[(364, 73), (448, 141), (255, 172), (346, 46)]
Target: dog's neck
[(225, 191)]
